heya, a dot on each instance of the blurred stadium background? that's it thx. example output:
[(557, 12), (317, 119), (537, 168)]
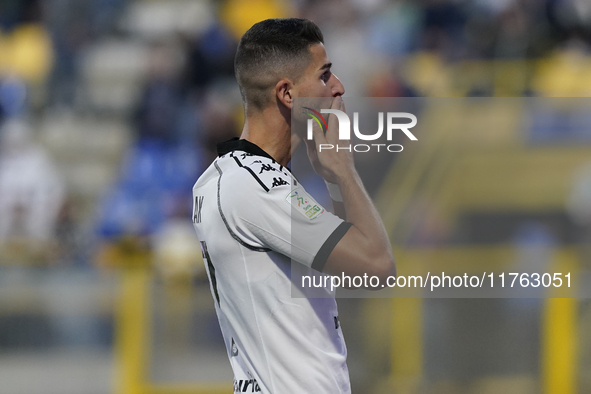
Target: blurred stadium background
[(110, 109)]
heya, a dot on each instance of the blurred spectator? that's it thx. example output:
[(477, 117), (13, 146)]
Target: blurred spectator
[(153, 187), (31, 189), (221, 117), (74, 26), (210, 58), (159, 106), (393, 28), (13, 98), (25, 45), (443, 28), (153, 181)]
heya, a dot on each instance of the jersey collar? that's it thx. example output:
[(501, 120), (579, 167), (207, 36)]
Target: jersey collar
[(241, 145)]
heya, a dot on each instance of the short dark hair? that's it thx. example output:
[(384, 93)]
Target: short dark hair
[(271, 50)]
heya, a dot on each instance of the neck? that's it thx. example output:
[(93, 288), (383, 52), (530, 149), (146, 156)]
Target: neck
[(270, 130)]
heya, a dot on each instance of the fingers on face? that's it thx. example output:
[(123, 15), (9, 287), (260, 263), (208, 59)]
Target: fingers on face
[(336, 103), (318, 137)]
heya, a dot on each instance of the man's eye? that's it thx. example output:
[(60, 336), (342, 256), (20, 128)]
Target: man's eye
[(326, 76)]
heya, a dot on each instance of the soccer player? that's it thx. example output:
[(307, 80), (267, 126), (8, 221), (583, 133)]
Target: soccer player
[(251, 226)]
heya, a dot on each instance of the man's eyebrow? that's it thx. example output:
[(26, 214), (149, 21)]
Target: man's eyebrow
[(326, 66)]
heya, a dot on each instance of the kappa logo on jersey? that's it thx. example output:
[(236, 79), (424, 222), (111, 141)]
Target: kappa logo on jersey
[(269, 175), (279, 182), (246, 386), (304, 203), (267, 167)]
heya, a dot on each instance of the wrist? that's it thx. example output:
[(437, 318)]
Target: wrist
[(345, 175), (334, 191)]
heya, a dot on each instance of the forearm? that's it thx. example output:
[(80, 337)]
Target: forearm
[(360, 211), (365, 247), (337, 200)]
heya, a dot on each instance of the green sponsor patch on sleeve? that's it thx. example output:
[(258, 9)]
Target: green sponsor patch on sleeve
[(304, 203)]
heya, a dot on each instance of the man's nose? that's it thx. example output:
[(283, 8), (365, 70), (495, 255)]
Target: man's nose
[(337, 87)]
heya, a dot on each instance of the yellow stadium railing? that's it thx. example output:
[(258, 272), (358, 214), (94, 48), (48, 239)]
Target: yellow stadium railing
[(134, 341)]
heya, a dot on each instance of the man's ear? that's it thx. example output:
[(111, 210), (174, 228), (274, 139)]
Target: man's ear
[(284, 92)]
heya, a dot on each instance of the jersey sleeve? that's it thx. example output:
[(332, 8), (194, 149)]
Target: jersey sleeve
[(271, 210)]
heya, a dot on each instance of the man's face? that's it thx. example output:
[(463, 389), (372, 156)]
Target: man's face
[(317, 87)]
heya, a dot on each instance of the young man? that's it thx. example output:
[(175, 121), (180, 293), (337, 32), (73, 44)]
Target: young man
[(249, 235)]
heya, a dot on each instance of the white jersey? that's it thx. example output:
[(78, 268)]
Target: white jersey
[(243, 217)]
